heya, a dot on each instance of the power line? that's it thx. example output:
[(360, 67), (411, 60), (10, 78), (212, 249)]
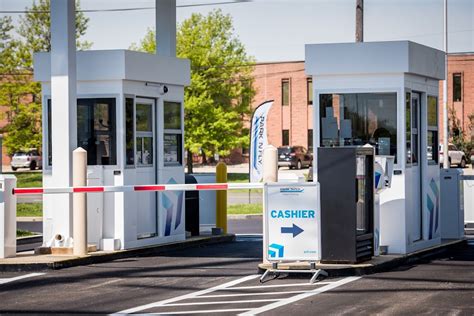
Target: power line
[(129, 9)]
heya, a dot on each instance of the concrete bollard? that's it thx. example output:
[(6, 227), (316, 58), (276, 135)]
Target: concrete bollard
[(79, 202), (270, 164), (7, 216), (221, 197)]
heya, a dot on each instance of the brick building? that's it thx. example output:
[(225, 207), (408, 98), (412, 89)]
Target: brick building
[(290, 120)]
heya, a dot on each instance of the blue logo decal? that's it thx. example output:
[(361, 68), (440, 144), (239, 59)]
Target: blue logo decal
[(291, 190), (275, 250)]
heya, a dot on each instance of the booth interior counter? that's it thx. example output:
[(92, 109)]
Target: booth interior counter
[(130, 120), (386, 94)]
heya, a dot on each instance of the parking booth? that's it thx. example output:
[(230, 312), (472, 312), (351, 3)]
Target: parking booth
[(385, 94), (130, 120)]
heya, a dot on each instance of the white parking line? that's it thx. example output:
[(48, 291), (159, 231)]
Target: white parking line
[(203, 311), (251, 294), (275, 285), (188, 296), (296, 298), (8, 280), (229, 286), (226, 302)]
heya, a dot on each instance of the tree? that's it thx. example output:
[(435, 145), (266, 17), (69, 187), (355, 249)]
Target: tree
[(35, 30), (221, 90), (18, 92)]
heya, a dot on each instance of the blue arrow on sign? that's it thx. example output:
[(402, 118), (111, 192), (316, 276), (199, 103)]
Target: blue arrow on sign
[(295, 230)]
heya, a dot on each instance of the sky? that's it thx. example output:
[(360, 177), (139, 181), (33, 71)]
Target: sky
[(277, 30)]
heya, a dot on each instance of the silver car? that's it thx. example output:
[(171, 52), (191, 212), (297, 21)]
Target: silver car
[(26, 159)]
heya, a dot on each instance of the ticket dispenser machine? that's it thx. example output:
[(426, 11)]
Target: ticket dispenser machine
[(346, 177)]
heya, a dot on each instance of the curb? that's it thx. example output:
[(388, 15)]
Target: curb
[(105, 257), (25, 219), (367, 268), (245, 216)]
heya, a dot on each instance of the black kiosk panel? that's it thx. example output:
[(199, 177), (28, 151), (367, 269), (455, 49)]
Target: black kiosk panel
[(345, 175)]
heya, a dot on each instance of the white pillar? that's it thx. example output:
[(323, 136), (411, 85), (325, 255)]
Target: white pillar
[(270, 164), (79, 157), (63, 110), (165, 27)]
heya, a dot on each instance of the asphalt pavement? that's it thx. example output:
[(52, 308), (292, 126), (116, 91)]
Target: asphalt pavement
[(221, 279)]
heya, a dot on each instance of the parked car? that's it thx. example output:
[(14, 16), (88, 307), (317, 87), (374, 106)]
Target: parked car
[(294, 157), (26, 159), (472, 158), (456, 156)]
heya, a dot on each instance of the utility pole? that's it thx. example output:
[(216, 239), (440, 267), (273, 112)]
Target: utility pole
[(359, 29), (445, 91)]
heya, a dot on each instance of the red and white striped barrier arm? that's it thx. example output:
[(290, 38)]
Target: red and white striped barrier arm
[(139, 188)]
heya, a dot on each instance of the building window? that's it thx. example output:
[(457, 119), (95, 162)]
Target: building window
[(285, 92), (285, 136), (95, 130), (457, 87), (129, 132), (357, 119), (309, 90), (432, 140), (173, 135)]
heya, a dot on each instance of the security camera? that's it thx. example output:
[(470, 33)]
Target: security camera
[(163, 90)]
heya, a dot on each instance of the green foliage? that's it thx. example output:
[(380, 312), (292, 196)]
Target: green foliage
[(24, 233), (459, 136), (35, 31), (18, 93), (221, 89), (28, 179), (29, 210), (244, 209)]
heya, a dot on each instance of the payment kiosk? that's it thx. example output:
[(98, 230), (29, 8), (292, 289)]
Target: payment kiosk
[(385, 94), (130, 120)]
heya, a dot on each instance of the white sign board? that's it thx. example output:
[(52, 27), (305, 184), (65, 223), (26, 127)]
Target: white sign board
[(292, 222)]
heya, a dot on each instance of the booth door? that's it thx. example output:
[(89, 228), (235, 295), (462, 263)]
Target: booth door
[(416, 167), (147, 222)]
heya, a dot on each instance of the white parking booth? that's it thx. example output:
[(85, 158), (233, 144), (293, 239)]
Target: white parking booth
[(130, 119), (386, 94)]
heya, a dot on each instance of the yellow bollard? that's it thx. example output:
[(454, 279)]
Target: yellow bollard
[(221, 197)]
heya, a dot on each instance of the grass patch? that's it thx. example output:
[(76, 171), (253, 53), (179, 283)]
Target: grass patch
[(24, 233), (28, 179), (238, 177), (244, 209), (29, 209)]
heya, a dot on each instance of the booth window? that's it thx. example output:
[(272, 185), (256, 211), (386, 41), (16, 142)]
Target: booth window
[(309, 90), (432, 135), (173, 135), (285, 92), (408, 126), (356, 119), (457, 87), (144, 134), (129, 133), (95, 130), (310, 140)]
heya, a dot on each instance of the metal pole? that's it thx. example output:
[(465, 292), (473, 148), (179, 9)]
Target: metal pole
[(359, 36), (445, 91), (79, 201), (221, 197)]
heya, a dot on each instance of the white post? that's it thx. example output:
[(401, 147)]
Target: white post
[(80, 202), (270, 164), (445, 91), (165, 27), (63, 111), (7, 216)]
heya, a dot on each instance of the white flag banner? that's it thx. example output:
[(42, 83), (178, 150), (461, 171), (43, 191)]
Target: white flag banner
[(258, 140)]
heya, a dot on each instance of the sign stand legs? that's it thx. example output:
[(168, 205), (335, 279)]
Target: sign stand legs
[(274, 270)]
